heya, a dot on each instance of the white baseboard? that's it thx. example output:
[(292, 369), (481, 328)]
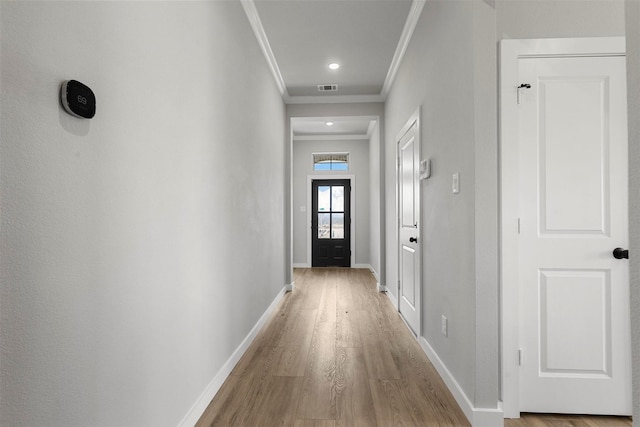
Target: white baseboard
[(376, 275), (209, 393), (478, 417), (370, 268), (393, 299), (289, 287), (301, 265), (380, 287)]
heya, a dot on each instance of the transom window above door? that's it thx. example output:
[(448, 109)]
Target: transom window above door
[(330, 161)]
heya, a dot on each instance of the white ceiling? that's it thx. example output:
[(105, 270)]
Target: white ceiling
[(306, 35), (344, 128), (301, 37)]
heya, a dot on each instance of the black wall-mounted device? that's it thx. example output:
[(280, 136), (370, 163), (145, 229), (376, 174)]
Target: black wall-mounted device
[(78, 99)]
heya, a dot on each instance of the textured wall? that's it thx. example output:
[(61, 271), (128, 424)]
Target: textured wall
[(127, 275)]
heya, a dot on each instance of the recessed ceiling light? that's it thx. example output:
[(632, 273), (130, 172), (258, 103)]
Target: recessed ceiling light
[(334, 65), (328, 123)]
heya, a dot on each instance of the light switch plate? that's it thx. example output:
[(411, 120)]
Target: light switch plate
[(455, 185), (425, 169)]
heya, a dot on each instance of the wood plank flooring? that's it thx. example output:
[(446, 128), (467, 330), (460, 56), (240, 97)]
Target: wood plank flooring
[(551, 420), (335, 353)]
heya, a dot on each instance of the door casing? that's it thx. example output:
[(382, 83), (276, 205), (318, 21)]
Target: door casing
[(413, 120), (510, 52), (336, 248), (352, 179)]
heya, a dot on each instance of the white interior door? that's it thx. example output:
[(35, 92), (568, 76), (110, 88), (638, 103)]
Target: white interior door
[(574, 295), (409, 214)]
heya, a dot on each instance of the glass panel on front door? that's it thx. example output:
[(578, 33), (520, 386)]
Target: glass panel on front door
[(337, 198), (330, 212), (324, 198), (324, 226), (337, 226)]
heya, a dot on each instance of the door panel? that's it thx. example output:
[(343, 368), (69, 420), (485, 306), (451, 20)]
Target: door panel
[(409, 249), (573, 119), (573, 178), (331, 223), (578, 344)]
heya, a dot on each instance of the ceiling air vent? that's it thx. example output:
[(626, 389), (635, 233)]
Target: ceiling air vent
[(327, 88)]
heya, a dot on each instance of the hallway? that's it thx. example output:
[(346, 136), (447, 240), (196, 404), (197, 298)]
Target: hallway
[(335, 353), (144, 249)]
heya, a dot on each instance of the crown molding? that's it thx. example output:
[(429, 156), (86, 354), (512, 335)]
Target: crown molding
[(325, 137), (254, 19), (403, 43), (407, 32)]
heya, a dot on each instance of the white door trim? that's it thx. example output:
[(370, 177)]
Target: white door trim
[(510, 52), (414, 119), (352, 212)]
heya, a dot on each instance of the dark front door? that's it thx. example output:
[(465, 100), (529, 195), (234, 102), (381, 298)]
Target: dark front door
[(331, 223)]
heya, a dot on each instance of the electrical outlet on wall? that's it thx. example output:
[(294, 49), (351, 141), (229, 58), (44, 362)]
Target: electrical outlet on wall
[(445, 331)]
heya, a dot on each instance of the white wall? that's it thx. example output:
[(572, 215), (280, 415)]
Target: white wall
[(530, 19), (127, 274), (449, 71), (359, 167), (633, 91)]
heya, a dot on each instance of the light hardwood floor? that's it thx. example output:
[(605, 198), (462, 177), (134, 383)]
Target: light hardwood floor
[(550, 420), (336, 353)]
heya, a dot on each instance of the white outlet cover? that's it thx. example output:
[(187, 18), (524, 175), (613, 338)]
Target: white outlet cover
[(455, 185)]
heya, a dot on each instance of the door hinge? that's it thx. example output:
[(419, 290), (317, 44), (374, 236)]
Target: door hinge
[(519, 357), (519, 88)]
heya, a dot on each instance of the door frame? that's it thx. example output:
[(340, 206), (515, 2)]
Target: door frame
[(414, 119), (510, 52), (352, 211)]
